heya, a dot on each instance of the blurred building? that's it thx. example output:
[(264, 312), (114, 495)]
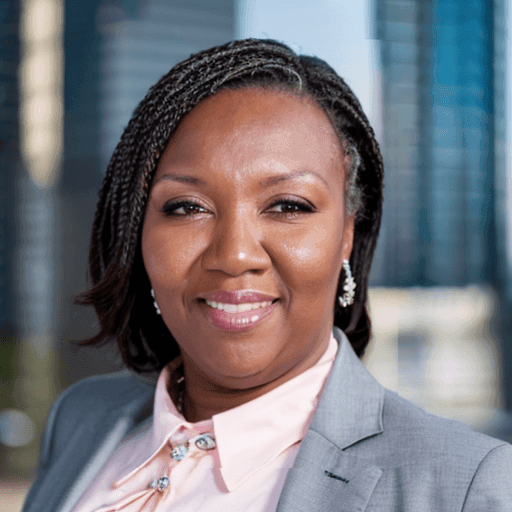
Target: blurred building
[(439, 109), (445, 151), (9, 152), (9, 158)]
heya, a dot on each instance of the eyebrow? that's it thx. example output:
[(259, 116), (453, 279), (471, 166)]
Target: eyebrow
[(182, 179), (274, 180), (267, 182)]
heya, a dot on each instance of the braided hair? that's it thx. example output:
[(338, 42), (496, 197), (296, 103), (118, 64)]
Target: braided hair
[(120, 290)]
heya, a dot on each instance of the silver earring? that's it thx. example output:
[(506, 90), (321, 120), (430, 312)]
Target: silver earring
[(349, 286), (155, 303)]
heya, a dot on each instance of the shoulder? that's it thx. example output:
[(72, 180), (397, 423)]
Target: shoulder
[(97, 394), (387, 429), (103, 391), (491, 487), (410, 428), (418, 450), (93, 397)]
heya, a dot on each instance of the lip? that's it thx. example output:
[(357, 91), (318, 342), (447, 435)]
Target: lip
[(237, 297), (235, 322)]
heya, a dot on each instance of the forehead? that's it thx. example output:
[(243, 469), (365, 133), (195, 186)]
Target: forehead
[(259, 124)]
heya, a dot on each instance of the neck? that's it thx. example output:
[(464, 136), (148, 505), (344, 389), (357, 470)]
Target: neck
[(202, 397)]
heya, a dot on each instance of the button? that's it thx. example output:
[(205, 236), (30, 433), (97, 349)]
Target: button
[(206, 442), (179, 451), (160, 484)]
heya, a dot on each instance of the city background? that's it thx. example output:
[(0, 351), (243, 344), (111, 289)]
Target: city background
[(433, 76)]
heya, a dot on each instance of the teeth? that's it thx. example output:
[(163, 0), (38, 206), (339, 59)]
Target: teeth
[(238, 308)]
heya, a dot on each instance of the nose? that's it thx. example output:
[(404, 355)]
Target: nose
[(236, 246)]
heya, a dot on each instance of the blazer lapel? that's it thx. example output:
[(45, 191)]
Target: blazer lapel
[(343, 487), (325, 476)]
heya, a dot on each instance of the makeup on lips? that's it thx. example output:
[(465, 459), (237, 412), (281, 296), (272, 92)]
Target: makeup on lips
[(237, 310)]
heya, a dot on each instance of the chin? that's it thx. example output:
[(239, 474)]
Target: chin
[(245, 371)]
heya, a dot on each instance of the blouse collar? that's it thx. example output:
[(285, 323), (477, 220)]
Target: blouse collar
[(253, 434)]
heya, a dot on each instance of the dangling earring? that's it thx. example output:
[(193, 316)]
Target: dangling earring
[(347, 299), (155, 303)]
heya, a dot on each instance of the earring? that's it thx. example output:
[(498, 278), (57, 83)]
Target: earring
[(155, 303), (347, 299)]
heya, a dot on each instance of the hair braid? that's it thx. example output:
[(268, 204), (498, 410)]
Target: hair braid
[(120, 292)]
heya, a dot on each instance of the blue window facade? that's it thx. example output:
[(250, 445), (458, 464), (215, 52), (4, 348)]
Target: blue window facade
[(438, 93)]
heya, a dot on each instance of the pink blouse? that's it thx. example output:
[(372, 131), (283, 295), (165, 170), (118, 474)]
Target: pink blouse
[(238, 460)]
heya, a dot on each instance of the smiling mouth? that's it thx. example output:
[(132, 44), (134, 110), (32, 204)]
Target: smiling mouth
[(237, 317), (239, 308)]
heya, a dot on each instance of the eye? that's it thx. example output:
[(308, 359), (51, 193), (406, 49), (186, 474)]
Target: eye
[(290, 207), (182, 208)]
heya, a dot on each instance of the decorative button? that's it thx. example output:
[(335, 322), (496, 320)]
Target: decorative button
[(206, 442), (179, 451), (160, 484)]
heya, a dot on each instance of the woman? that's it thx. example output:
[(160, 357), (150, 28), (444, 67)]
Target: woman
[(235, 226)]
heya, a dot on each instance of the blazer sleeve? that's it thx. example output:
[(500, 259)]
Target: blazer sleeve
[(47, 436), (44, 451), (491, 488)]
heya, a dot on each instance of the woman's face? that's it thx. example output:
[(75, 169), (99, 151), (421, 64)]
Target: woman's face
[(245, 234)]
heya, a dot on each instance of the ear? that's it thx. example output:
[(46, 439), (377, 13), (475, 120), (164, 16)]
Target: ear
[(348, 237)]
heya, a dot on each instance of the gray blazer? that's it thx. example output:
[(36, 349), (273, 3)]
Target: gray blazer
[(367, 449)]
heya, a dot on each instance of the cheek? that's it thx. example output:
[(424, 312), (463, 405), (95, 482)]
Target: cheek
[(311, 261), (168, 255)]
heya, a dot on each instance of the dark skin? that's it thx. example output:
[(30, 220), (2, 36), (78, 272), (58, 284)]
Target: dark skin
[(248, 195)]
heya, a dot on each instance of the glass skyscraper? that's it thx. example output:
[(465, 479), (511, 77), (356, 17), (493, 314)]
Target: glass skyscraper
[(439, 93)]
